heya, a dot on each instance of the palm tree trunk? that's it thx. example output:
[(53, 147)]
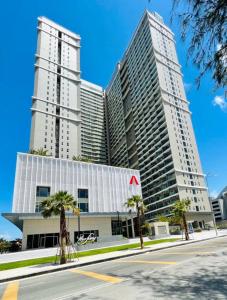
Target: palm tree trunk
[(139, 228), (132, 224), (63, 236), (185, 228)]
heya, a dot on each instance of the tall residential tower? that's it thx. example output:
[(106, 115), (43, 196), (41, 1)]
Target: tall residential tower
[(67, 113), (93, 123), (144, 112), (149, 122), (56, 119)]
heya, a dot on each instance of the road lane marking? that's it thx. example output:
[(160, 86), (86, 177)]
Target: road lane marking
[(11, 291), (84, 291), (158, 262), (188, 253), (99, 276)]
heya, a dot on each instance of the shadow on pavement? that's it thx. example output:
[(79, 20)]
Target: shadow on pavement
[(192, 279)]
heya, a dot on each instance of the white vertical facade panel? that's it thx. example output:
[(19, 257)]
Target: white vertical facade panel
[(108, 187), (16, 186), (30, 193), (26, 183)]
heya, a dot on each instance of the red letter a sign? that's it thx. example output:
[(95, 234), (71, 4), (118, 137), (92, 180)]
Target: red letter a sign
[(134, 180)]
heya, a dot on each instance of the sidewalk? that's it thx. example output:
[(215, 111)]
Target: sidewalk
[(83, 261), (39, 253)]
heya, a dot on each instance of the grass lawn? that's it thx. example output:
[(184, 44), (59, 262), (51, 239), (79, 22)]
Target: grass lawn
[(51, 259)]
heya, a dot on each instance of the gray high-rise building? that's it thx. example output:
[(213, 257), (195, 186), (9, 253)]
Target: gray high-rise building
[(149, 122), (219, 205), (67, 112)]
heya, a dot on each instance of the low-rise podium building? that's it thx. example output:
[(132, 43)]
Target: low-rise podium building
[(100, 191)]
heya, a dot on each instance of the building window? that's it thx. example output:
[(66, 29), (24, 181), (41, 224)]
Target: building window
[(45, 240), (42, 192), (83, 193), (116, 226), (83, 207), (83, 200)]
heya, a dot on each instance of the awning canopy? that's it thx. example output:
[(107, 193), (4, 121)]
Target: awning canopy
[(18, 218), (200, 216)]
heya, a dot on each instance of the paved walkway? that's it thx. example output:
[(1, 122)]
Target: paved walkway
[(46, 268), (38, 253)]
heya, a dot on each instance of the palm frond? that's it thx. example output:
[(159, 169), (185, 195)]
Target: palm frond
[(53, 205)]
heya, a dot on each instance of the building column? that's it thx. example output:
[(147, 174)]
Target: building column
[(24, 242), (126, 220)]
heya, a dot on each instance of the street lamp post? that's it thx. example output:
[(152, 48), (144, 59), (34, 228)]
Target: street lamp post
[(118, 222), (78, 225)]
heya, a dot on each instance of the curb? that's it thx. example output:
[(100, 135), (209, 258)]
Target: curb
[(58, 269)]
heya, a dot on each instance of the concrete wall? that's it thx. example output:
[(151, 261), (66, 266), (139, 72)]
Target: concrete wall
[(40, 226)]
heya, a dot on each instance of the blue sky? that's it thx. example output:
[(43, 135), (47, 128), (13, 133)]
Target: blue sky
[(105, 27)]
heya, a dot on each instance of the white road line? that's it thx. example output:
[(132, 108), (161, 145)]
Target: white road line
[(84, 291)]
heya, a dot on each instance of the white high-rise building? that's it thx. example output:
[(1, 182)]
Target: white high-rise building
[(142, 121), (93, 124), (56, 119), (67, 113), (148, 119), (149, 122)]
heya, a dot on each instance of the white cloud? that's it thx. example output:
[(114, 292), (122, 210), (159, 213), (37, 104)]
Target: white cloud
[(221, 102), (219, 46), (214, 193), (5, 236)]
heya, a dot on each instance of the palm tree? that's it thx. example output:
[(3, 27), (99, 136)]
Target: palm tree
[(179, 210), (56, 205), (41, 152), (4, 245), (172, 220), (137, 202)]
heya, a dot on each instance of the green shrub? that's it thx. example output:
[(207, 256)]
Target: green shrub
[(4, 246), (175, 231), (198, 230), (222, 226)]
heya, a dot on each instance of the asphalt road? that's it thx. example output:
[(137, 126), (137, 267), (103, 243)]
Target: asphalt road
[(195, 271)]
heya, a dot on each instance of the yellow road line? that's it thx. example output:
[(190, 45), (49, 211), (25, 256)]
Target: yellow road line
[(11, 291), (149, 262), (103, 277), (188, 253)]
